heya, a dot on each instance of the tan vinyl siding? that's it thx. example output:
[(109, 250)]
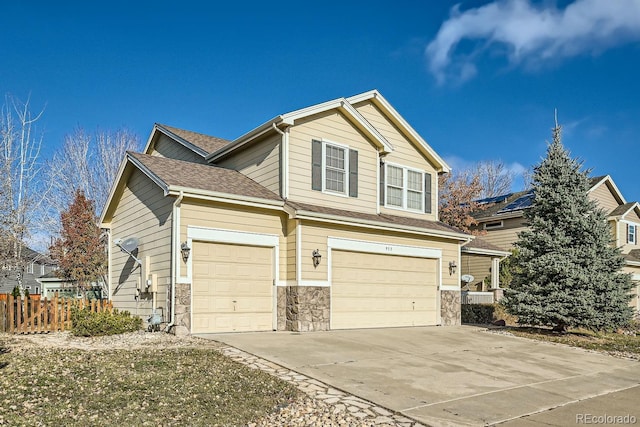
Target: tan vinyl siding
[(315, 234), (331, 126), (479, 267), (404, 153), (506, 236), (604, 197), (291, 250), (260, 162), (167, 147), (237, 218), (145, 213)]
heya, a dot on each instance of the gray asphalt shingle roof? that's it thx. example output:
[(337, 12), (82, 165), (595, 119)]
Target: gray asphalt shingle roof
[(203, 177), (200, 140)]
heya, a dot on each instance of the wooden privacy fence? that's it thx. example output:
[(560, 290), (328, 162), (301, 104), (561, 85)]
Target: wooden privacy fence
[(26, 316)]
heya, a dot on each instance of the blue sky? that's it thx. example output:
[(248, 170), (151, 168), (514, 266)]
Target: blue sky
[(478, 80)]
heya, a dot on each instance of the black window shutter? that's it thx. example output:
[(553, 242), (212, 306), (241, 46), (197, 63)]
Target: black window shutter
[(353, 173), (427, 192), (382, 183), (627, 233), (316, 165)]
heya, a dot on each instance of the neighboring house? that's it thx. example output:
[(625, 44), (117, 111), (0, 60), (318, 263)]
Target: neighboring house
[(36, 265), (51, 285), (504, 219), (321, 218)]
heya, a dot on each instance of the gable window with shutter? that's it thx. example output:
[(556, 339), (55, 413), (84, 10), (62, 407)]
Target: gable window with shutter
[(406, 188), (334, 168), (631, 233)]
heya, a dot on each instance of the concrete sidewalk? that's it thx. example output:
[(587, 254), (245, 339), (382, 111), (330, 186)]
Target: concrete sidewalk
[(448, 375)]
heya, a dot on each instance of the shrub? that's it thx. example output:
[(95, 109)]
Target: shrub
[(485, 314), (86, 323), (478, 313)]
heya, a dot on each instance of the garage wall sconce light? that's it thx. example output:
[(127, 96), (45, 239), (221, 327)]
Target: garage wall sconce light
[(316, 257), (453, 267), (186, 250)]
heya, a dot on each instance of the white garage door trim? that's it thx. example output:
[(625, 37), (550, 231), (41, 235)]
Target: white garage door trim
[(217, 235), (338, 243)]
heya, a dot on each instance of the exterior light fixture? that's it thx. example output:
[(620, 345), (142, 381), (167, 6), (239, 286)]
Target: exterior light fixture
[(186, 250), (453, 267), (316, 257)]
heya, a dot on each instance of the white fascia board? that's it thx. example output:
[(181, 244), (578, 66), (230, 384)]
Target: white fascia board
[(632, 263), (199, 151), (343, 105), (244, 139), (289, 119), (112, 191), (174, 190), (335, 219), (382, 103), (478, 251), (620, 217), (150, 139)]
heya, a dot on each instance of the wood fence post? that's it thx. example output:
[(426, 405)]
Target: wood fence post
[(45, 315)]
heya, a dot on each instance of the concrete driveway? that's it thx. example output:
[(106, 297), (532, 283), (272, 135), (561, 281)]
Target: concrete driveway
[(448, 375)]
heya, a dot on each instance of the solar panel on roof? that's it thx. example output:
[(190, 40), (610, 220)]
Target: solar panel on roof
[(495, 199), (520, 203)]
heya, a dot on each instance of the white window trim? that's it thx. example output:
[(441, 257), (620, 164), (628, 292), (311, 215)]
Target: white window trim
[(347, 172), (635, 233), (405, 189)]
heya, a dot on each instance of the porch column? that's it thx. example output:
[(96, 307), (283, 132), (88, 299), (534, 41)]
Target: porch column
[(495, 273)]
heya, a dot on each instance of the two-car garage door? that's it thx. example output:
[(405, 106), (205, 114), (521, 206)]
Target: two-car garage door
[(372, 290), (233, 289)]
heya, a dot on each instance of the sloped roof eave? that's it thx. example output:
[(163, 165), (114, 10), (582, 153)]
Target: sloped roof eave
[(381, 102), (383, 225), (175, 190)]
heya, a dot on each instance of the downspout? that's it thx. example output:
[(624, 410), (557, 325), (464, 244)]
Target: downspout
[(109, 262), (284, 161), (175, 237)]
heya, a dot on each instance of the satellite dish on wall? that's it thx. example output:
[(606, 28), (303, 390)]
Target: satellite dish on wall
[(467, 278), (127, 246)]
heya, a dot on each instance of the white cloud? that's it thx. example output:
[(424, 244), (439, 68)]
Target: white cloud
[(533, 34)]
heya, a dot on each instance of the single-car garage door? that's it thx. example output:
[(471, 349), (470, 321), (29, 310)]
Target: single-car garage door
[(373, 290), (232, 288)]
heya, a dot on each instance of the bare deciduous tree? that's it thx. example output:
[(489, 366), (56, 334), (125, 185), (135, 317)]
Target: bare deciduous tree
[(89, 163), (21, 189), (495, 178)]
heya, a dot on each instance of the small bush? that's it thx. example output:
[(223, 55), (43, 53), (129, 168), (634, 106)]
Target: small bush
[(86, 323), (478, 313), (486, 314)]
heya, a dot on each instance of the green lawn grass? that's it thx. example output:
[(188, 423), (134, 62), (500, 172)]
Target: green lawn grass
[(137, 387)]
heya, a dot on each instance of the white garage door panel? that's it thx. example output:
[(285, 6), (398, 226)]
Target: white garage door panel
[(232, 288), (374, 290)]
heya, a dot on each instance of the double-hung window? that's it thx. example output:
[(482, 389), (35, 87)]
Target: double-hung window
[(631, 233), (334, 168), (405, 188)]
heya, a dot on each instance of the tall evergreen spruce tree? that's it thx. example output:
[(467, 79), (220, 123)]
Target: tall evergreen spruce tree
[(569, 272)]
